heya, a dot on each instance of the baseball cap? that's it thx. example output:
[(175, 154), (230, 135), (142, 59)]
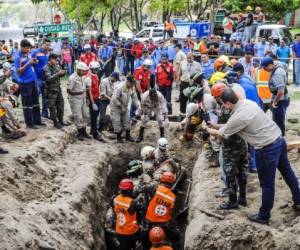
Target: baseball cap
[(115, 75), (266, 62), (238, 67)]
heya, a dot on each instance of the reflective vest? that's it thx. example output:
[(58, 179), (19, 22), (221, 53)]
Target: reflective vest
[(126, 224), (161, 205), (262, 80), (162, 248), (169, 26)]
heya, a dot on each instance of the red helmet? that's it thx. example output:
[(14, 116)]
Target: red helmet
[(126, 184), (156, 235), (167, 177), (217, 89)]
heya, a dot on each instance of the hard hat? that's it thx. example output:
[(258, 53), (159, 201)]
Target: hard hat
[(6, 66), (147, 152), (191, 109), (217, 89), (197, 77), (220, 62), (167, 177), (216, 77), (134, 163), (94, 65), (148, 62), (126, 184), (156, 235), (224, 58), (162, 143), (82, 66), (87, 47), (248, 8)]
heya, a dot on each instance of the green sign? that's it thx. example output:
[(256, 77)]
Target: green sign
[(55, 28)]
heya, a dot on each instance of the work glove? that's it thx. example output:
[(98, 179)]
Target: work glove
[(95, 107)]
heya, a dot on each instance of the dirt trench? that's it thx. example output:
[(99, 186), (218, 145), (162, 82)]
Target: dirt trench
[(56, 190)]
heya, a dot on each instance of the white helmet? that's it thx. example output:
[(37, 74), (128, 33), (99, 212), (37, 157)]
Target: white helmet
[(82, 66), (191, 109), (94, 65), (87, 47), (148, 62), (162, 144), (147, 152), (6, 66)]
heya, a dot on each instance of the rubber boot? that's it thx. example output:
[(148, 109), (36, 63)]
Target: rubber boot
[(85, 134), (242, 194), (57, 124), (80, 135), (141, 135), (128, 136), (162, 132), (119, 138), (99, 138), (232, 202)]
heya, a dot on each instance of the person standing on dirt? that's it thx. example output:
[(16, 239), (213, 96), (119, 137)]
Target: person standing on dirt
[(234, 153), (126, 217), (122, 96), (255, 127), (157, 237), (77, 89), (53, 92)]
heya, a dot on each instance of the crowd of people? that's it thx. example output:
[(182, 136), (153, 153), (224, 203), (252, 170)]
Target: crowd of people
[(225, 87)]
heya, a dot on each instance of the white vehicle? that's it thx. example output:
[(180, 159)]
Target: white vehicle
[(156, 33), (274, 30)]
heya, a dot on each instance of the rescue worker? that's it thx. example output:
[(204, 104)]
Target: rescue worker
[(94, 100), (220, 67), (41, 55), (164, 79), (107, 87), (153, 103), (77, 88), (169, 27), (88, 56), (148, 157), (28, 89), (194, 92), (262, 78), (53, 92), (157, 236), (126, 221), (161, 206), (234, 153), (123, 94), (158, 52), (278, 87)]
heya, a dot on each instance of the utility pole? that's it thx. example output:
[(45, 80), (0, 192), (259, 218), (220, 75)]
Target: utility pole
[(50, 10)]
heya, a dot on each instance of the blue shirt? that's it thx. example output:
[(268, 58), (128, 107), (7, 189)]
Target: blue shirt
[(28, 76), (250, 89), (208, 69), (105, 53), (186, 50), (156, 55), (171, 53), (283, 54), (296, 49), (249, 48), (260, 49), (41, 55)]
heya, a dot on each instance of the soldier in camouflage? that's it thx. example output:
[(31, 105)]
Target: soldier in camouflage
[(53, 91)]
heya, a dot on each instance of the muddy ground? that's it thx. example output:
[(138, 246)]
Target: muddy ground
[(54, 193)]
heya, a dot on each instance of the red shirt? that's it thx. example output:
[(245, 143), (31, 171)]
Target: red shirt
[(142, 75), (137, 50), (162, 76), (151, 48), (95, 85), (191, 44), (88, 58)]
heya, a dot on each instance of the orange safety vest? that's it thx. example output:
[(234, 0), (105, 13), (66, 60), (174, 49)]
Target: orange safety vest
[(162, 248), (2, 112), (169, 25), (262, 80), (126, 224), (161, 205)]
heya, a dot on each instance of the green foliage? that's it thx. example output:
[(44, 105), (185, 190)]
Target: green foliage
[(275, 9)]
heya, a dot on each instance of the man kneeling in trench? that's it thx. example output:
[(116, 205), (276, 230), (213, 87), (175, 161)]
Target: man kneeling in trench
[(256, 128)]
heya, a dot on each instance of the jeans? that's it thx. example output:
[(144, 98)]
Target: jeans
[(69, 68), (182, 98), (103, 103), (252, 159), (221, 162), (279, 114), (247, 34), (129, 67), (30, 103), (41, 91), (267, 160), (120, 64), (166, 91), (297, 71)]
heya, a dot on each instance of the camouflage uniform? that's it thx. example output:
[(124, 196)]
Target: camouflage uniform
[(54, 93), (235, 161)]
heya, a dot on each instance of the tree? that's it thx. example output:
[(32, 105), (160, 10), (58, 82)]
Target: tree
[(273, 8)]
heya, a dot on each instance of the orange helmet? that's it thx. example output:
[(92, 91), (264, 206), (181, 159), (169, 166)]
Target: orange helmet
[(126, 184), (217, 89), (219, 63), (156, 235), (167, 177)]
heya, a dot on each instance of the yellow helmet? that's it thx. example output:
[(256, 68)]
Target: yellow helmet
[(216, 77), (225, 59), (248, 8)]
